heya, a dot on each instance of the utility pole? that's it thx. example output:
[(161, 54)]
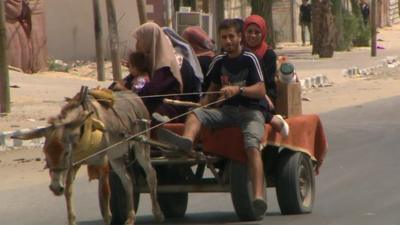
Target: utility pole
[(4, 80), (219, 17), (142, 11), (373, 28), (292, 19), (98, 31), (114, 39)]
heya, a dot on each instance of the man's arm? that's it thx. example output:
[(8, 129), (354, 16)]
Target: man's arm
[(256, 91), (210, 97)]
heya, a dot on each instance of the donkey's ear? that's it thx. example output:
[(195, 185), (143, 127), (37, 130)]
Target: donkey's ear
[(78, 122), (32, 134)]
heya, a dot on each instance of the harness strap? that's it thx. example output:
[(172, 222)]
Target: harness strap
[(144, 131), (90, 140)]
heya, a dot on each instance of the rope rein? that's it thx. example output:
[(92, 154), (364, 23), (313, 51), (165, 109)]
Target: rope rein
[(180, 94), (144, 131)]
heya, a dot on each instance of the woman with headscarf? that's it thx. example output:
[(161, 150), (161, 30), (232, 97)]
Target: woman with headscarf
[(165, 78), (164, 70), (203, 46), (255, 32), (170, 73)]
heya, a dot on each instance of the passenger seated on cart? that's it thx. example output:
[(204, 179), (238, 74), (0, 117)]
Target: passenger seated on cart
[(255, 32), (203, 47), (165, 71), (237, 74), (191, 71), (138, 72)]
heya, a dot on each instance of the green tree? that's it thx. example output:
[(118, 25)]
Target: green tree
[(339, 23), (4, 78), (350, 28), (323, 28), (362, 34)]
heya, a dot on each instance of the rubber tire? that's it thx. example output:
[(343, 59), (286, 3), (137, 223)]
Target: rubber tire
[(242, 192), (292, 165), (173, 205), (118, 200)]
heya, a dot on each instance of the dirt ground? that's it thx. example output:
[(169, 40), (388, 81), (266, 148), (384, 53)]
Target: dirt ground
[(36, 97)]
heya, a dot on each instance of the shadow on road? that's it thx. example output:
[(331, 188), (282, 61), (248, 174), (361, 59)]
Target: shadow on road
[(193, 219)]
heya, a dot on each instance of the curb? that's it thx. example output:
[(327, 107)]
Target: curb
[(387, 62), (7, 143), (318, 80)]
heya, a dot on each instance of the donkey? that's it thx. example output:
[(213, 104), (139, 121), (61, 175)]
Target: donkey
[(84, 121)]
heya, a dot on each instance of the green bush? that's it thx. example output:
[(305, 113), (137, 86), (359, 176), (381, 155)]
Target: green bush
[(351, 30), (363, 36), (57, 65)]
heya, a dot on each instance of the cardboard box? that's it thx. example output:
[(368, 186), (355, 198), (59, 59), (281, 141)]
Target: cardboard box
[(288, 101)]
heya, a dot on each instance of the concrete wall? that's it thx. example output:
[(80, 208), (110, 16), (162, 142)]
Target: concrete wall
[(286, 20), (70, 27), (394, 12)]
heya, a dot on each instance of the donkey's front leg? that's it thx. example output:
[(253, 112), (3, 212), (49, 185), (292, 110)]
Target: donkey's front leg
[(118, 166), (71, 173), (105, 193), (142, 153)]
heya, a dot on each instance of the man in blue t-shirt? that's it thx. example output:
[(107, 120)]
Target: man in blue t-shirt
[(237, 75)]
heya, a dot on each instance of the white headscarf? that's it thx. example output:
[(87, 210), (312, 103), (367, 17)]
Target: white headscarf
[(158, 49)]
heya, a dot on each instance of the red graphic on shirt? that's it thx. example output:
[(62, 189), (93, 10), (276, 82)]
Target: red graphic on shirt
[(225, 80)]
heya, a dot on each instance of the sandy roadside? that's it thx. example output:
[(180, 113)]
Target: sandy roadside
[(354, 92)]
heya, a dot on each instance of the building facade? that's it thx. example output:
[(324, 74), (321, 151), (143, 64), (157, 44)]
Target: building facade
[(70, 27)]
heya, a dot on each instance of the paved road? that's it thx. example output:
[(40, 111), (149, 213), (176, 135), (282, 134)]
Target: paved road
[(357, 185)]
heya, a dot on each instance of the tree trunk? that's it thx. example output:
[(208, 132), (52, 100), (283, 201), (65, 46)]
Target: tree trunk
[(114, 40), (323, 29), (219, 17), (339, 24), (98, 31), (264, 9), (373, 28), (4, 79)]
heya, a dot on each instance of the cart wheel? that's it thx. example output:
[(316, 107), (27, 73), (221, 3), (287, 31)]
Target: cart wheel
[(118, 200), (242, 192), (296, 183), (173, 205)]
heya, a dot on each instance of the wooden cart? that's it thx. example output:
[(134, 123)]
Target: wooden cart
[(219, 165)]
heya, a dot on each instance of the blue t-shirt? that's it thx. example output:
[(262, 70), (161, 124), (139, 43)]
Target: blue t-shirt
[(243, 71)]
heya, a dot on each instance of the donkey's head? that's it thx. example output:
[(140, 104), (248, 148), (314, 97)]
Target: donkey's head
[(62, 135)]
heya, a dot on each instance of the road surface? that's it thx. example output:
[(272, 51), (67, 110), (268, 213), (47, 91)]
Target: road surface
[(358, 184)]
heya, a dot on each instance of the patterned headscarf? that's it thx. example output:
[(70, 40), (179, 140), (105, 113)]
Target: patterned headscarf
[(262, 47), (158, 49), (199, 40)]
